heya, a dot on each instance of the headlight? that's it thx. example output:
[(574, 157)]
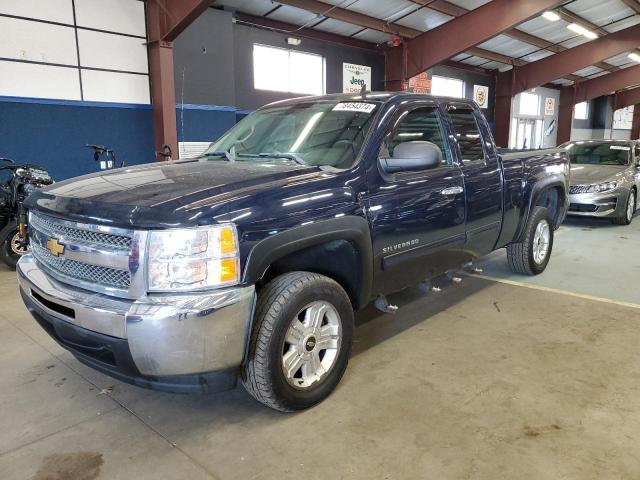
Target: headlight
[(602, 187), (193, 259)]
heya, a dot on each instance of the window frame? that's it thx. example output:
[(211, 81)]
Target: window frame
[(450, 160), (474, 114), (289, 51)]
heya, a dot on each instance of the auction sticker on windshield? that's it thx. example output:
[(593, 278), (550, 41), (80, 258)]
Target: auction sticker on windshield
[(354, 107)]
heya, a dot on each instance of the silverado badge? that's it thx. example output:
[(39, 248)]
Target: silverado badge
[(55, 247)]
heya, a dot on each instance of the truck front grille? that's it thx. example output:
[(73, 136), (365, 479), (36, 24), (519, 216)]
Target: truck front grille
[(93, 257), (109, 277), (54, 228)]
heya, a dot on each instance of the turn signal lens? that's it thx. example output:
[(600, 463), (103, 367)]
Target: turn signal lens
[(227, 241), (229, 270)]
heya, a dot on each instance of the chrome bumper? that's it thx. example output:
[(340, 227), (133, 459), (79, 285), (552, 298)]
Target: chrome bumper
[(166, 334), (605, 204)]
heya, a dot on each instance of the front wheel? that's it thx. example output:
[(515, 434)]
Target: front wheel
[(300, 343), (12, 249), (531, 255), (626, 217)]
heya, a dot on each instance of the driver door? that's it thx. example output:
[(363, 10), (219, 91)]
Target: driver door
[(417, 217)]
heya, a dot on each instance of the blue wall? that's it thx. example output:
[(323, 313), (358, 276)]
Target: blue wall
[(203, 123), (54, 133)]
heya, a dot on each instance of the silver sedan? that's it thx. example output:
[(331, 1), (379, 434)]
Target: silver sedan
[(605, 179)]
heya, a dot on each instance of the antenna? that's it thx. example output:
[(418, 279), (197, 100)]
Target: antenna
[(363, 90)]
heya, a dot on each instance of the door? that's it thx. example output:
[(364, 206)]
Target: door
[(529, 133), (482, 178), (417, 217)]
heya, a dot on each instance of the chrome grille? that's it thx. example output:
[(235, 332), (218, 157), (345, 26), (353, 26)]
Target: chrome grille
[(55, 228), (72, 269), (579, 188)]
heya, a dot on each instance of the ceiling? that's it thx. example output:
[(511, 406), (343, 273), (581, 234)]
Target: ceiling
[(528, 42)]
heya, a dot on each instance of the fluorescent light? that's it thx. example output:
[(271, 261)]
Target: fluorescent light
[(582, 31), (635, 56), (551, 16)]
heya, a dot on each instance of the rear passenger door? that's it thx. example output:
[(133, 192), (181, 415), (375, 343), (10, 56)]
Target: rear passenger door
[(417, 217), (479, 161)]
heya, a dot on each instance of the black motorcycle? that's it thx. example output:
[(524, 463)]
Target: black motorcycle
[(17, 182)]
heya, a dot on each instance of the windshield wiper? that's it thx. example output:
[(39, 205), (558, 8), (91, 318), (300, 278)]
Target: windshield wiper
[(222, 153), (288, 156)]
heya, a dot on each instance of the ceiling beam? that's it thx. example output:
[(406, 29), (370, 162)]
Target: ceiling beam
[(604, 85), (310, 33), (469, 30), (349, 16), (633, 5), (562, 64), (570, 17), (173, 16), (626, 98)]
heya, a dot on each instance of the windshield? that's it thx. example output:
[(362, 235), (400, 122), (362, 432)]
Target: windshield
[(609, 153), (325, 134)]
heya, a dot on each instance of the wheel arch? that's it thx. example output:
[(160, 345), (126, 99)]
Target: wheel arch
[(307, 247), (550, 193)]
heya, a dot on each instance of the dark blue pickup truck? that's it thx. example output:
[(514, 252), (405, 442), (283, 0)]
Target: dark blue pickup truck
[(250, 260)]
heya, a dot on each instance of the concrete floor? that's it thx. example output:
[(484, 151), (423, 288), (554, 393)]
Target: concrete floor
[(485, 380)]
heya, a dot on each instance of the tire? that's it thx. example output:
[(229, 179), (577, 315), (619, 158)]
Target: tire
[(626, 217), (524, 256), (7, 253), (298, 297)]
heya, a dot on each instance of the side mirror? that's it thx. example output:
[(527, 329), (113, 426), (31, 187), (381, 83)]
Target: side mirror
[(412, 156)]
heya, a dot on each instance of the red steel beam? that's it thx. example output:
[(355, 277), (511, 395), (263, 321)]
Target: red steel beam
[(626, 98), (441, 43), (633, 5), (635, 126), (561, 64), (166, 19), (588, 90)]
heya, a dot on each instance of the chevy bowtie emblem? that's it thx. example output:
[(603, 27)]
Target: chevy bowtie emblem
[(55, 247)]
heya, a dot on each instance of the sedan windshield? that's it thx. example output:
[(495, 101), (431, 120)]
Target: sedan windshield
[(325, 134), (599, 153)]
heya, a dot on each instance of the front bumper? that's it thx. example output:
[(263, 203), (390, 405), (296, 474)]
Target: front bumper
[(605, 204), (182, 342)]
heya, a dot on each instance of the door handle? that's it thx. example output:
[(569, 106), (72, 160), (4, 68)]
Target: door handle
[(452, 191)]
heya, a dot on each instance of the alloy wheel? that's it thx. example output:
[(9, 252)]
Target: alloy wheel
[(541, 240)]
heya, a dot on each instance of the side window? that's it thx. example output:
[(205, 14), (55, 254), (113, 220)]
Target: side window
[(421, 124), (467, 135)]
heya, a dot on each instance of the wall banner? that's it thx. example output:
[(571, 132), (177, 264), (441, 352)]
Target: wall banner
[(354, 77), (481, 95)]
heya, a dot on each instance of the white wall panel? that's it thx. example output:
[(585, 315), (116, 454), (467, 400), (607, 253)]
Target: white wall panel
[(122, 16), (41, 81), (100, 86), (114, 52), (60, 11), (37, 41)]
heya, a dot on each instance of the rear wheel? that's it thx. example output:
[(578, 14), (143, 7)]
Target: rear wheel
[(531, 255), (626, 217), (12, 249), (300, 343)]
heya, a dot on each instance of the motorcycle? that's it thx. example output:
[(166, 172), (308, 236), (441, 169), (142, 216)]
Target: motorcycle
[(17, 182)]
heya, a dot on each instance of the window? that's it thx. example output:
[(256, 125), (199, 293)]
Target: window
[(467, 135), (447, 87), (581, 111), (529, 104), (281, 70), (421, 124), (324, 134)]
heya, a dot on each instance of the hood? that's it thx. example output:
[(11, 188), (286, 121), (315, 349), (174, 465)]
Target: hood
[(593, 174), (170, 191)]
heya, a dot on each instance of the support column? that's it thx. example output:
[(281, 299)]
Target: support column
[(502, 107), (635, 127), (565, 114), (394, 68), (163, 98)]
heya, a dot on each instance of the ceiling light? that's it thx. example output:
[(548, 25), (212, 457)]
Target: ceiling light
[(294, 41), (635, 56), (582, 31), (551, 16)]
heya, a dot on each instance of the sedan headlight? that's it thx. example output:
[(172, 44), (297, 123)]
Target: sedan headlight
[(193, 259), (602, 187)]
